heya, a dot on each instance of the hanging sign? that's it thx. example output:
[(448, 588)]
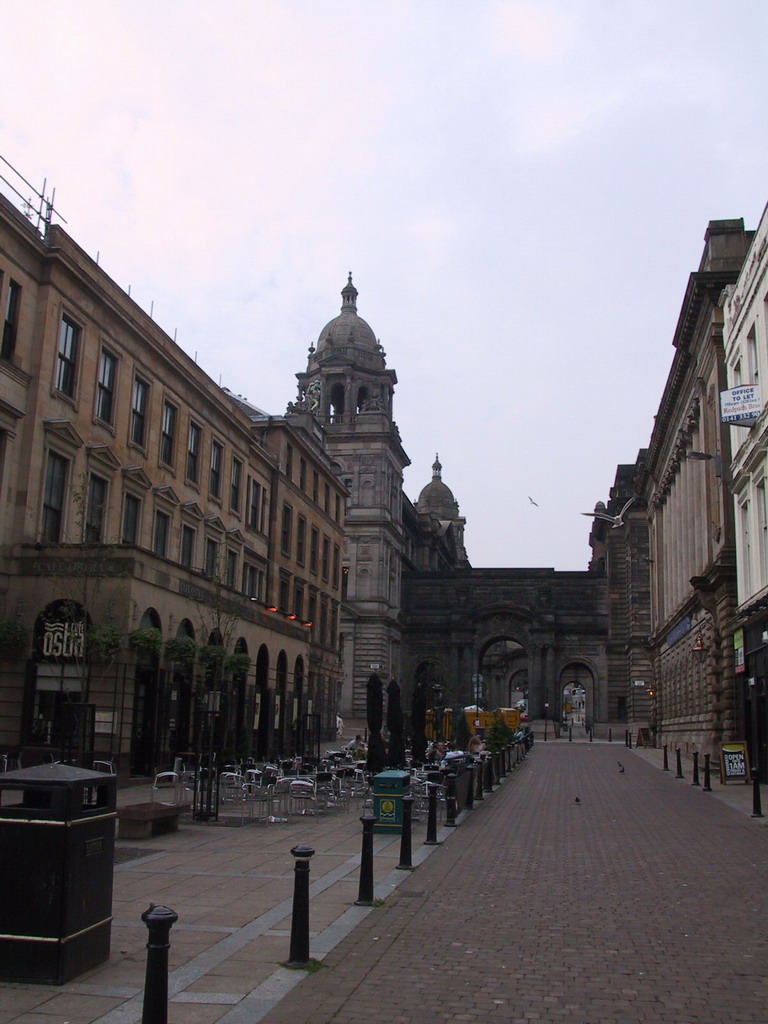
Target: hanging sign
[(741, 407)]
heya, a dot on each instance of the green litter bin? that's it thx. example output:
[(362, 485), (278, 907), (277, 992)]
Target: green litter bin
[(389, 788)]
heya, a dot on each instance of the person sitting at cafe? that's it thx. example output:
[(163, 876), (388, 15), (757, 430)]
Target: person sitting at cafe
[(354, 746), (475, 746)]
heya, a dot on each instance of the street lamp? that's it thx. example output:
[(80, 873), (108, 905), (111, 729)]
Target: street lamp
[(707, 457)]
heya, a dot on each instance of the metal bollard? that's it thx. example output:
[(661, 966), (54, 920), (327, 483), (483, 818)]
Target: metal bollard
[(629, 738), (479, 777), (570, 734), (695, 768), (610, 735), (503, 763), (365, 889), (590, 734), (488, 774), (450, 800), (406, 863), (706, 788), (470, 801), (757, 809), (679, 765), (666, 759), (299, 953), (626, 737), (431, 839), (159, 921)]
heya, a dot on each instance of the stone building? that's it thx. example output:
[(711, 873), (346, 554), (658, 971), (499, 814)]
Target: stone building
[(684, 484), (149, 596), (745, 337)]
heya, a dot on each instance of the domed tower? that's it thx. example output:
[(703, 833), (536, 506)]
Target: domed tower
[(439, 509), (348, 389)]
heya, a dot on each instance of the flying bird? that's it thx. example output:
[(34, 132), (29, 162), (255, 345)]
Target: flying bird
[(532, 501), (615, 521), (621, 767)]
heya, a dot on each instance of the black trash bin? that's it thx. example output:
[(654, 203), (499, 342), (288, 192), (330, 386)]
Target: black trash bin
[(57, 844)]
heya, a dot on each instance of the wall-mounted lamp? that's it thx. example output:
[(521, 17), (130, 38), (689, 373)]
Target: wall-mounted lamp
[(707, 457), (308, 623), (272, 608), (698, 647), (291, 616)]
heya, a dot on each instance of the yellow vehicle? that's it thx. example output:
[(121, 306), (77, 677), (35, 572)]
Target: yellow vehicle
[(481, 721)]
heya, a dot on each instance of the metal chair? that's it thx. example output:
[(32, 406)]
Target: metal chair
[(302, 797), (167, 785)]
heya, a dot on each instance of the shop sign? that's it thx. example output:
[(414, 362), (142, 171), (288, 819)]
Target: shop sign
[(741, 406), (63, 639), (738, 651)]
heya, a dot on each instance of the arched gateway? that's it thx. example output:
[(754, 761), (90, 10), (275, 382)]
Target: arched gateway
[(500, 635)]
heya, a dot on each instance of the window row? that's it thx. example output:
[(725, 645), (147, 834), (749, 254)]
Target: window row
[(170, 439), (310, 606), (197, 549), (319, 547), (314, 492)]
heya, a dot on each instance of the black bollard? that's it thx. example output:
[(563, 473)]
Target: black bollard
[(159, 921), (469, 803), (626, 737), (299, 954), (365, 889), (488, 773), (479, 779), (610, 735), (629, 738), (503, 764), (406, 863), (679, 764), (706, 788), (450, 800), (590, 734), (757, 809), (695, 768), (570, 734), (666, 759), (431, 839)]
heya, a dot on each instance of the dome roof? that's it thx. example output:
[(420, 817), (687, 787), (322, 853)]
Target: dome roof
[(437, 497), (348, 328)]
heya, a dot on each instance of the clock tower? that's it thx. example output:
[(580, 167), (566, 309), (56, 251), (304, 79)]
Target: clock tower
[(348, 389)]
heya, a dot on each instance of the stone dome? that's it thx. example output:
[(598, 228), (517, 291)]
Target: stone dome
[(437, 498), (347, 328)]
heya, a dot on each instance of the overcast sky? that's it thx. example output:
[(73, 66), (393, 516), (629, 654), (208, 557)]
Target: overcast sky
[(519, 189)]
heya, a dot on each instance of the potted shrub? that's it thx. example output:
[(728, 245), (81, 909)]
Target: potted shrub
[(181, 649), (13, 638), (146, 641), (211, 656), (103, 642), (237, 664)]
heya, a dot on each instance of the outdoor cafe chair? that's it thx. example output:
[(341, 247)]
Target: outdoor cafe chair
[(302, 797), (166, 788)]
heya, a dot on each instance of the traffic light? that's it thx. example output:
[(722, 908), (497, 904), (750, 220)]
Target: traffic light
[(651, 691)]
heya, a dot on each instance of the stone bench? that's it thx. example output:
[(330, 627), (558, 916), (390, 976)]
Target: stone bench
[(141, 821)]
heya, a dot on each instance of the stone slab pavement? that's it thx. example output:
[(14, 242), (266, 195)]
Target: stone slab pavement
[(644, 901)]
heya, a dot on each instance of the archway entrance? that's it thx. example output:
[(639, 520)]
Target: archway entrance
[(503, 666), (577, 694)]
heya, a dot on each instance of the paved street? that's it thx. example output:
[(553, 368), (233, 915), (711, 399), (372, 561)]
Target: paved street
[(644, 901)]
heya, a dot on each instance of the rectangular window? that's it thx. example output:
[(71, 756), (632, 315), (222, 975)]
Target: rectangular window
[(336, 564), (217, 459), (161, 532), (326, 565), (231, 568), (187, 553), (301, 540), (254, 505), (289, 462), (298, 599), (105, 388), (139, 406), (253, 582), (131, 519), (315, 486), (337, 514), (211, 557), (327, 499), (66, 367), (11, 322), (302, 473), (323, 637), (168, 434), (284, 599), (193, 452), (53, 498), (95, 510), (314, 544), (287, 530), (235, 485)]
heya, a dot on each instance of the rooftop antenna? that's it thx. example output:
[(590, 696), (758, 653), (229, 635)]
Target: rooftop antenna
[(46, 208)]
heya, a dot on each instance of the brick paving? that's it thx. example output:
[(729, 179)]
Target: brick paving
[(646, 901)]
